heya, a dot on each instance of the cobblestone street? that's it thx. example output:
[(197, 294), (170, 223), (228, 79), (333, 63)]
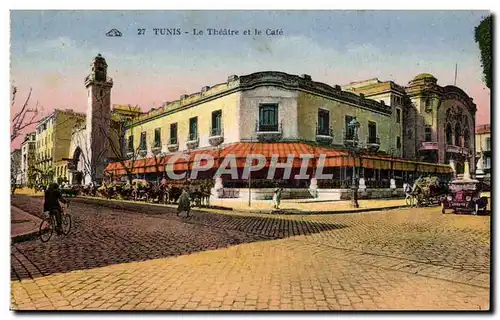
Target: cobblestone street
[(118, 259)]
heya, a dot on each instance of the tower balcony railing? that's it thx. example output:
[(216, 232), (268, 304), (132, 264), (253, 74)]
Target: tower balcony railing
[(269, 132)]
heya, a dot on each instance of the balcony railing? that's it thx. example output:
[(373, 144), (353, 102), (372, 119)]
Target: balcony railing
[(324, 135), (452, 148), (173, 145), (373, 140), (156, 147), (193, 141), (143, 150), (269, 132), (215, 132), (216, 137), (373, 143), (349, 139), (428, 145)]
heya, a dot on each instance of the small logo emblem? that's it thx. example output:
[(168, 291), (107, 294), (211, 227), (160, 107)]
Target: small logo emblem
[(113, 33)]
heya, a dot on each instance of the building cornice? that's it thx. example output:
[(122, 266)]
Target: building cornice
[(260, 79)]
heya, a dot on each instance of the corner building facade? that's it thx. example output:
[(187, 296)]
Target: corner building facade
[(277, 113)]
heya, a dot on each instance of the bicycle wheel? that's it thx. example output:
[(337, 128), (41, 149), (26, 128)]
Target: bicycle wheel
[(66, 224), (409, 201), (46, 229)]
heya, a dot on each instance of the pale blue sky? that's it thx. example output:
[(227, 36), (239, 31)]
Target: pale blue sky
[(51, 50)]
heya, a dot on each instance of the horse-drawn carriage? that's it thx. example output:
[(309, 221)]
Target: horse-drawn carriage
[(165, 192), (426, 191)]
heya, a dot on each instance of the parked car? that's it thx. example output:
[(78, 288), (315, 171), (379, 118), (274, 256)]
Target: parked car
[(464, 196)]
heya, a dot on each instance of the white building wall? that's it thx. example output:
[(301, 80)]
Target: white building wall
[(287, 101)]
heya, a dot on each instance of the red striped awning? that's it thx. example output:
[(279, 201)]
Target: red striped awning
[(334, 157)]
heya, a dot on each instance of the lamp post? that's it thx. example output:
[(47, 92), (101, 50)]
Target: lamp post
[(354, 125)]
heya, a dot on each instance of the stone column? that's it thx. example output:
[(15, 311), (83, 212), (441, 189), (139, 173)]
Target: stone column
[(362, 185), (218, 189), (452, 165), (466, 170), (393, 183), (480, 166), (313, 187)]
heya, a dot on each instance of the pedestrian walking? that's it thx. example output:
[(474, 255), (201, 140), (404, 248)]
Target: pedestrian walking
[(184, 202), (277, 197)]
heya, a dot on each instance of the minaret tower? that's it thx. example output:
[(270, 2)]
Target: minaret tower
[(98, 86)]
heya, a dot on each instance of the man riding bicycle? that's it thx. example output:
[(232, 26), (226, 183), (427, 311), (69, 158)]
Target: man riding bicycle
[(52, 198)]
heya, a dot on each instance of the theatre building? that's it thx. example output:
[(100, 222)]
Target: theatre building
[(274, 113)]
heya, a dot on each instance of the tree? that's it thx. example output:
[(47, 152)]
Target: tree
[(79, 136), (15, 169), (482, 36), (116, 141), (25, 117)]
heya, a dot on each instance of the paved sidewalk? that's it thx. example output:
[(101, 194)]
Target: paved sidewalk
[(308, 205), (288, 274), (28, 192), (23, 226)]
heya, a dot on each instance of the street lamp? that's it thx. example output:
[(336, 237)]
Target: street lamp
[(354, 126)]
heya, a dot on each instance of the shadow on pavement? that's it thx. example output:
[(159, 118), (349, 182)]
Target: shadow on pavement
[(104, 235)]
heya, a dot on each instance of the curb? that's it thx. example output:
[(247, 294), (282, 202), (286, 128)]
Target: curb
[(344, 211), (24, 237), (172, 206), (291, 211)]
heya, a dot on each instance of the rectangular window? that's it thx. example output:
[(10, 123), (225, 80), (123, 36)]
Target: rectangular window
[(157, 142), (323, 122), (130, 144), (488, 144), (398, 143), (142, 143), (193, 128), (487, 162), (173, 133), (428, 104), (398, 115), (349, 131), (372, 132), (268, 117), (216, 123), (428, 134)]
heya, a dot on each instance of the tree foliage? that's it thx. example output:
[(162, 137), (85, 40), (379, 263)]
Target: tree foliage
[(482, 36)]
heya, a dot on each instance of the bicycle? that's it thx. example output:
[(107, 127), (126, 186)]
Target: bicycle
[(48, 225), (410, 200)]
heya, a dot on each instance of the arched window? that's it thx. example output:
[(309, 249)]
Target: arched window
[(428, 104), (449, 137), (458, 134), (466, 138)]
